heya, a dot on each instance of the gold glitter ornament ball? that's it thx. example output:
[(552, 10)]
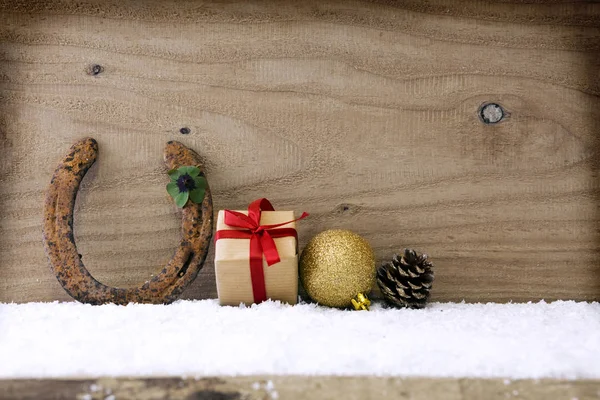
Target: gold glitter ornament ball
[(335, 266)]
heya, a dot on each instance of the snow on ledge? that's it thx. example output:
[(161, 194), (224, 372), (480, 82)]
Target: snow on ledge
[(200, 338)]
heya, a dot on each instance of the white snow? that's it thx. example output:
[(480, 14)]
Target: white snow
[(200, 338)]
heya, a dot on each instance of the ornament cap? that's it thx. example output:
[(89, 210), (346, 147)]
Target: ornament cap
[(361, 302)]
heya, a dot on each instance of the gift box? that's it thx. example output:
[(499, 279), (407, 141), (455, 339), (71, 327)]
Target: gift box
[(256, 255)]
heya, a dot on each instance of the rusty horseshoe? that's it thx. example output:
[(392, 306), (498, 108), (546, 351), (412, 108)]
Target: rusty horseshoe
[(59, 242)]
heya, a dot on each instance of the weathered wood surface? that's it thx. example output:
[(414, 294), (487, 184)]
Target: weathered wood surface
[(364, 114), (273, 388)]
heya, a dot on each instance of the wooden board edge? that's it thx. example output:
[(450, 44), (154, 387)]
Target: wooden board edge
[(298, 387)]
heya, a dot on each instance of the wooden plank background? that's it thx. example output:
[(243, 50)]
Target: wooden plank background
[(363, 113)]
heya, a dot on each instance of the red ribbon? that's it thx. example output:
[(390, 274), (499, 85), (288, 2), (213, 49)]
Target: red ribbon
[(261, 240)]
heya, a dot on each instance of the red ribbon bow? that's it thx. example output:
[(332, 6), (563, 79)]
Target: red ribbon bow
[(261, 240)]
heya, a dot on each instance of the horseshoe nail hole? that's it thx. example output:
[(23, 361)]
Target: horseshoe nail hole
[(95, 69), (186, 264), (185, 130), (491, 113)]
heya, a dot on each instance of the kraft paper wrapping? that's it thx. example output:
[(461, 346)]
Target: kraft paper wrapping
[(232, 264)]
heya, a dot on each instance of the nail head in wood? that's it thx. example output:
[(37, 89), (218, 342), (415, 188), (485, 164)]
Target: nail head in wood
[(491, 113), (95, 69)]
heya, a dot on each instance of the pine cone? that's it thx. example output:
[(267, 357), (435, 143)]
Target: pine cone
[(406, 280)]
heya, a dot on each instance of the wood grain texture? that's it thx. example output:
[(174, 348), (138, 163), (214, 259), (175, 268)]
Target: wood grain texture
[(295, 387), (363, 113)]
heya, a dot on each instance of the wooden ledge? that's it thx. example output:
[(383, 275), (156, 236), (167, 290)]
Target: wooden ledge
[(295, 387)]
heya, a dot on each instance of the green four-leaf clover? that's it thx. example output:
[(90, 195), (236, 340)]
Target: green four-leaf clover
[(186, 184)]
